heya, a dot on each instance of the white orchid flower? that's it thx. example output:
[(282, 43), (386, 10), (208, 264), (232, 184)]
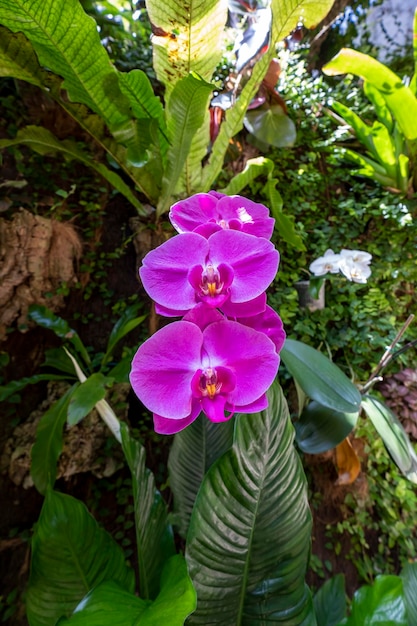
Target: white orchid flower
[(329, 262), (358, 272), (358, 256)]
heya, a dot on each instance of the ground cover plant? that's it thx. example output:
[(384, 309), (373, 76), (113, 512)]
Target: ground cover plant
[(239, 492)]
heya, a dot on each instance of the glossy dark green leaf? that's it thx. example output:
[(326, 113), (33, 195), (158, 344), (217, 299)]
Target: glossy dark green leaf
[(86, 397), (57, 358), (393, 435), (109, 605), (330, 601), (320, 379), (154, 535), (319, 428), (177, 598), (120, 372), (127, 322), (380, 603), (193, 452), (48, 443), (71, 554), (47, 319), (249, 536), (409, 578)]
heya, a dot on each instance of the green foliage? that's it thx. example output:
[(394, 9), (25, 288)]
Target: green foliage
[(241, 527), (70, 555)]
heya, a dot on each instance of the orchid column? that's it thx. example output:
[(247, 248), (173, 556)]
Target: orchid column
[(223, 355)]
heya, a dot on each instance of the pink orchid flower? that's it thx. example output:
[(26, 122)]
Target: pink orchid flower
[(229, 270), (215, 366), (206, 213)]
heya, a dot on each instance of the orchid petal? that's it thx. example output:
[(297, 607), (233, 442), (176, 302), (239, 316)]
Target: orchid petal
[(167, 426), (165, 270), (269, 323), (245, 309), (163, 367), (203, 315), (214, 408), (254, 407)]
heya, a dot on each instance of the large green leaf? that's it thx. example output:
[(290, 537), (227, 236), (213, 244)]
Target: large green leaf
[(186, 113), (109, 605), (193, 452), (187, 38), (249, 536), (320, 429), (286, 15), (67, 42), (330, 601), (399, 98), (254, 167), (393, 435), (319, 378), (43, 141), (154, 536), (380, 603), (71, 554), (271, 126), (48, 443)]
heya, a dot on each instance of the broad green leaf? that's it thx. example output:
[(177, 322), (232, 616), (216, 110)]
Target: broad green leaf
[(86, 396), (409, 578), (57, 358), (413, 82), (109, 605), (48, 443), (399, 99), (186, 113), (47, 319), (320, 429), (177, 598), (43, 141), (154, 536), (127, 322), (285, 18), (67, 42), (271, 126), (18, 60), (380, 603), (71, 554), (193, 452), (393, 435), (187, 38), (284, 225), (249, 536), (320, 379), (330, 601), (15, 386), (253, 168)]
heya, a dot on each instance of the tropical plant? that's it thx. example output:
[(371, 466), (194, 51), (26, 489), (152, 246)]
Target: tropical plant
[(159, 149), (390, 142)]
